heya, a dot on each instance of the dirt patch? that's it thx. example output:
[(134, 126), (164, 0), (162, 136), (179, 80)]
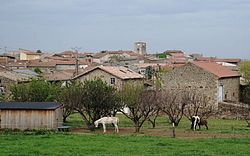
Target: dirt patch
[(184, 134)]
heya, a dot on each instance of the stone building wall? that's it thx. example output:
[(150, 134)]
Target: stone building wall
[(5, 83), (97, 73), (195, 78), (231, 88), (191, 77)]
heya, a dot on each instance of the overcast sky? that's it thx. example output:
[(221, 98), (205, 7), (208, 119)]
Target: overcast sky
[(212, 27)]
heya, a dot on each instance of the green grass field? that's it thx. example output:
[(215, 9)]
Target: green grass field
[(225, 126), (96, 143), (76, 144)]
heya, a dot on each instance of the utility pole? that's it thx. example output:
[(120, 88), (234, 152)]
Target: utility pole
[(5, 49), (76, 49)]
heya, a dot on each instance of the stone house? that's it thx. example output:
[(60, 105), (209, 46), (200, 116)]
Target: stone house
[(64, 65), (8, 77), (4, 59), (218, 83), (116, 76), (42, 65), (29, 55)]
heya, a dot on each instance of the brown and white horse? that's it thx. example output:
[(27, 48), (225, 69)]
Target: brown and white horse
[(196, 120)]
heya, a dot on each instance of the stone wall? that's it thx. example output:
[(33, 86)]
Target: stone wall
[(232, 110), (191, 77), (5, 83), (97, 73), (231, 88)]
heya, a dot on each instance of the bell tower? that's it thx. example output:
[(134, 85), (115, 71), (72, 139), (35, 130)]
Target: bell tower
[(140, 48)]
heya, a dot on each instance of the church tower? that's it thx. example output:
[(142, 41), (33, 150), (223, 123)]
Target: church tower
[(140, 48)]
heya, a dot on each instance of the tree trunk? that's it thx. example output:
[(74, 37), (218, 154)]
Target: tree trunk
[(88, 123), (137, 127), (152, 122), (173, 124)]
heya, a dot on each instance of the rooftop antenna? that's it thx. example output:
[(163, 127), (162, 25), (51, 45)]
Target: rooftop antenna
[(76, 49)]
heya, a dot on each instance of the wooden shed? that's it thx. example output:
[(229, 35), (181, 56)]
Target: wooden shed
[(30, 115)]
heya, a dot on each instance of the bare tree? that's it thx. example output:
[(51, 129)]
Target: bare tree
[(242, 111), (172, 104), (197, 104), (140, 102), (154, 116)]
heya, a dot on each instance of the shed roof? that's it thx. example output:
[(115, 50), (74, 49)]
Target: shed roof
[(216, 69), (29, 105)]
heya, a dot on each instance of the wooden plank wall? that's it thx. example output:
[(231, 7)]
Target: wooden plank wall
[(59, 116), (28, 119)]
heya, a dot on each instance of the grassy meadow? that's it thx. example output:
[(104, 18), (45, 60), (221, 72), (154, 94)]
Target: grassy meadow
[(76, 144), (223, 126), (224, 137)]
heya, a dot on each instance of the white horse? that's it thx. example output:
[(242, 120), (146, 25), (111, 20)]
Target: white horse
[(107, 120)]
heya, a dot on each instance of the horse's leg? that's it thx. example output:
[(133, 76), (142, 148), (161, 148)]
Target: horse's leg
[(116, 128), (104, 128), (206, 126)]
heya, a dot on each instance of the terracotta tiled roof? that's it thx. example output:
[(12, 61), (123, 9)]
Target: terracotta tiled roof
[(68, 52), (56, 58), (71, 62), (16, 76), (214, 59), (53, 63), (2, 68), (38, 63), (175, 53), (228, 60), (100, 55), (216, 69), (175, 60), (17, 64), (58, 76), (120, 72)]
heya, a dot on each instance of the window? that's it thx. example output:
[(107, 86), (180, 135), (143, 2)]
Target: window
[(112, 80)]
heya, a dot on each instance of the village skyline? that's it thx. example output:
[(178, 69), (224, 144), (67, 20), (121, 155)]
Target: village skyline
[(80, 49)]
